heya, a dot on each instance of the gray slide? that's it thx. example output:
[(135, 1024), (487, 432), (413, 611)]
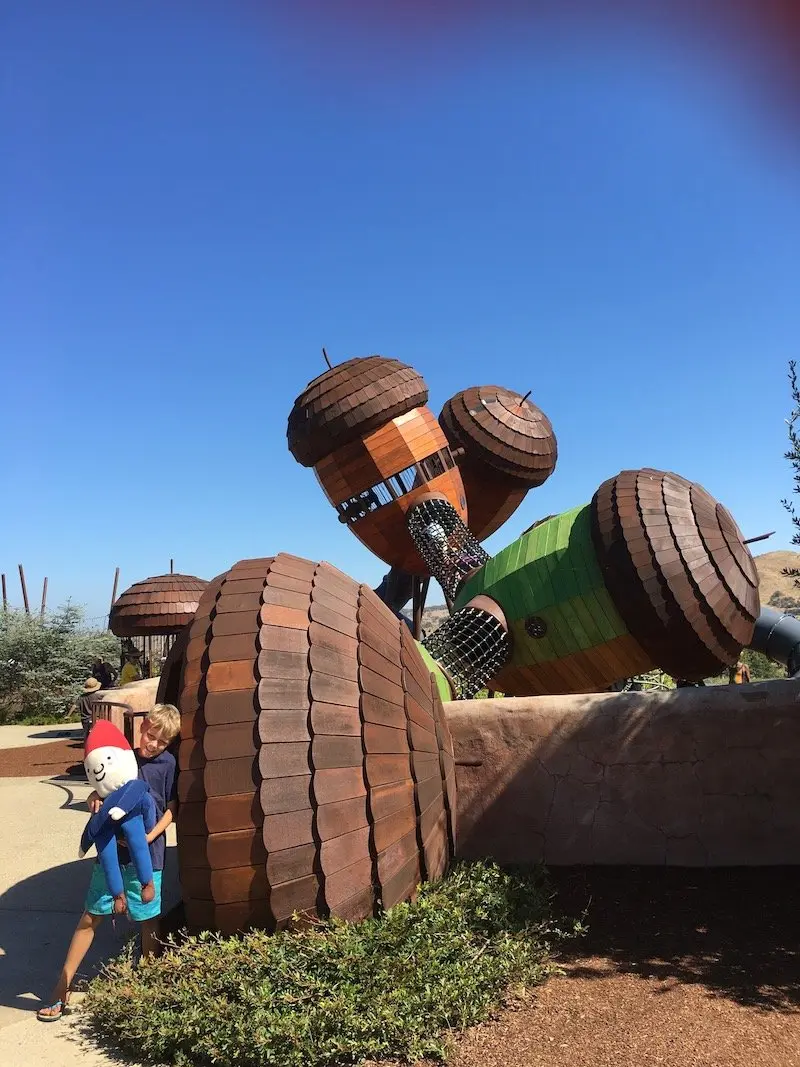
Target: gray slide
[(778, 637)]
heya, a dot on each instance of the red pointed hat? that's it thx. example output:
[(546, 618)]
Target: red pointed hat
[(105, 734)]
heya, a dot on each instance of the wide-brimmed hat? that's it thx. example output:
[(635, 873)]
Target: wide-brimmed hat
[(132, 653), (91, 685)]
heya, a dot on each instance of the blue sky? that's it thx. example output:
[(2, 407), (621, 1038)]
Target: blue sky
[(195, 198)]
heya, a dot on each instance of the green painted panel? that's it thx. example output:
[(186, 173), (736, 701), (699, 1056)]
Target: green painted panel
[(442, 683), (551, 571)]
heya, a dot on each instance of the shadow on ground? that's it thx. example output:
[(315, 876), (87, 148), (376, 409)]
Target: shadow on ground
[(735, 931), (70, 733), (37, 919)]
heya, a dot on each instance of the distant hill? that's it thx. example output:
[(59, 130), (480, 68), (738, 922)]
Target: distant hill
[(775, 588)]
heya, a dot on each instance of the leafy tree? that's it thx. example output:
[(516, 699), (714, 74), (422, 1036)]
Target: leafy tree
[(761, 668), (44, 662)]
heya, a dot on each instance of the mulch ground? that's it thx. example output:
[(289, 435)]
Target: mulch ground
[(680, 968), (42, 761)]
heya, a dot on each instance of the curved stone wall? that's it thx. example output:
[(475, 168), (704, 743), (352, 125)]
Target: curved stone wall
[(695, 777)]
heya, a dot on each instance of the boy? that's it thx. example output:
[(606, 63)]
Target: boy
[(157, 768)]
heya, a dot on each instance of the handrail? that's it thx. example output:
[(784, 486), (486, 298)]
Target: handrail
[(100, 710)]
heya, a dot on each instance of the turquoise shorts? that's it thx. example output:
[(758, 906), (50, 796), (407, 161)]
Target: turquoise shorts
[(100, 902)]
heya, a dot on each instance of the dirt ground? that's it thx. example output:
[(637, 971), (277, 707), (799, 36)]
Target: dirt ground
[(680, 968), (42, 761)]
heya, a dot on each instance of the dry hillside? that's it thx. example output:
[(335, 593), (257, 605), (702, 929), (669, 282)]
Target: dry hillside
[(775, 588)]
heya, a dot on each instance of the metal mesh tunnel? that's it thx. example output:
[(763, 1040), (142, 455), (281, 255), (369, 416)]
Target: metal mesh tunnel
[(450, 551), (472, 646)]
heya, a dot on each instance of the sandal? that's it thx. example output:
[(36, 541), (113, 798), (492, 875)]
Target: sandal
[(58, 1008)]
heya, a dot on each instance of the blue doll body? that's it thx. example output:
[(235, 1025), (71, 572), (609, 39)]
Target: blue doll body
[(130, 809)]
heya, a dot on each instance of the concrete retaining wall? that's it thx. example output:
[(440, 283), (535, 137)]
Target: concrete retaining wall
[(695, 777)]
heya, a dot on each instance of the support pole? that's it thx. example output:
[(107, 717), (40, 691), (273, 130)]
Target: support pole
[(5, 594), (419, 594), (114, 590), (24, 590), (44, 598)]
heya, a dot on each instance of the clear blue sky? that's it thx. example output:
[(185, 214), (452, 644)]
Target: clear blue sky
[(196, 197)]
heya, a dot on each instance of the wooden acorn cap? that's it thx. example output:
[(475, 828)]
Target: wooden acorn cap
[(163, 604), (677, 569), (349, 401), (503, 431), (317, 771)]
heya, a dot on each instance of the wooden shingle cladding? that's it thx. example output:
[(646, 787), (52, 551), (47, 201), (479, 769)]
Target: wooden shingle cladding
[(676, 564), (504, 446), (163, 604), (317, 770), (349, 401)]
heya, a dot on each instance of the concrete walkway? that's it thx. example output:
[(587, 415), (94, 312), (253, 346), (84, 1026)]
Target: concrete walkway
[(23, 736), (42, 888)]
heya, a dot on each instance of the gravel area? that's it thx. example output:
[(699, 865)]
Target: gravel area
[(43, 761)]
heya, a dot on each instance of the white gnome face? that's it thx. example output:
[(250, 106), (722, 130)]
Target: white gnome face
[(109, 768)]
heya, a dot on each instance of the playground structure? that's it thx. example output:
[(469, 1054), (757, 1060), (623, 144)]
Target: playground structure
[(317, 767), (153, 612)]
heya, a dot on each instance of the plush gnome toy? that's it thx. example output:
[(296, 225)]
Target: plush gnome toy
[(127, 806)]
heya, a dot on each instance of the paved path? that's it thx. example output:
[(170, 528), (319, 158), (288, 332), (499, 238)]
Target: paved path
[(42, 887), (23, 736)]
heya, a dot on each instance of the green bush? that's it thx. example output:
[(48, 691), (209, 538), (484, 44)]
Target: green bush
[(44, 662), (337, 992), (761, 668)]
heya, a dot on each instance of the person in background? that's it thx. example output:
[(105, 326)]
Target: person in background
[(91, 687), (739, 674), (131, 671), (112, 671), (102, 672)]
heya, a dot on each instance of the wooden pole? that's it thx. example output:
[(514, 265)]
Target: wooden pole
[(24, 590), (114, 590), (5, 594), (416, 610), (423, 596), (44, 598), (419, 593)]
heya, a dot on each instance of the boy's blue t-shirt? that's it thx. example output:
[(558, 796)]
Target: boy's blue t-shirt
[(159, 774)]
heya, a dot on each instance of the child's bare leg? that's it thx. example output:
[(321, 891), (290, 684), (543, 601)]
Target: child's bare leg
[(78, 947), (149, 929)]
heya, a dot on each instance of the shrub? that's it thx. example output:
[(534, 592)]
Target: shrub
[(337, 992), (44, 662)]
